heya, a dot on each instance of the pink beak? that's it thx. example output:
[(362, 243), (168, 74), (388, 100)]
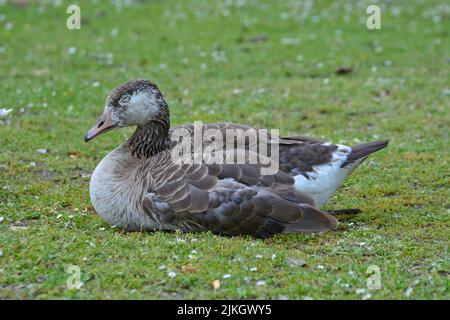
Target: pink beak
[(104, 124)]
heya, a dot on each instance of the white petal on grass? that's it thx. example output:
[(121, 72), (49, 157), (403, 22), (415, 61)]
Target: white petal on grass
[(171, 274), (114, 32), (226, 276), (408, 292), (260, 283), (290, 41), (367, 296), (4, 112)]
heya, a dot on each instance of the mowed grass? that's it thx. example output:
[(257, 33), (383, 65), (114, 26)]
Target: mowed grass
[(265, 63)]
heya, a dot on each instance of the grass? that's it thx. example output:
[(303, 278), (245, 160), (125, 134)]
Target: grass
[(269, 64)]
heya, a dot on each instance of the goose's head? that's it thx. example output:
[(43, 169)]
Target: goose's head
[(135, 103)]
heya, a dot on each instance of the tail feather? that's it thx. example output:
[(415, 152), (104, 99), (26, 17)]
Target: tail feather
[(313, 220), (362, 150)]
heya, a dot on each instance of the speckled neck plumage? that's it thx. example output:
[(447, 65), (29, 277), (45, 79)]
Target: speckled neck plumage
[(151, 139)]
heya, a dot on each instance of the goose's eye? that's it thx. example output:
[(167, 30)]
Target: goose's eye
[(124, 99)]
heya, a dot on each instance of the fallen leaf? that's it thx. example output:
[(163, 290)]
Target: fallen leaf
[(188, 269), (18, 228), (293, 262), (256, 39), (344, 70), (216, 284)]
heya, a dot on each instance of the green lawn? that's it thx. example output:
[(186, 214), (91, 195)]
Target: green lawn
[(266, 63)]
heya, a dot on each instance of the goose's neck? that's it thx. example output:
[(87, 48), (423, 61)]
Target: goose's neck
[(149, 140)]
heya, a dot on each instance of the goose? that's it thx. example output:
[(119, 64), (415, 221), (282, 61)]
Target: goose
[(140, 186)]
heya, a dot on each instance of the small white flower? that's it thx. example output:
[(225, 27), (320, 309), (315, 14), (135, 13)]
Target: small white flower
[(162, 267), (290, 41), (171, 274), (408, 292), (4, 112), (101, 229), (367, 296), (96, 84), (260, 283), (59, 216), (360, 291), (320, 267), (226, 276), (258, 256), (72, 50), (253, 269), (114, 32)]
